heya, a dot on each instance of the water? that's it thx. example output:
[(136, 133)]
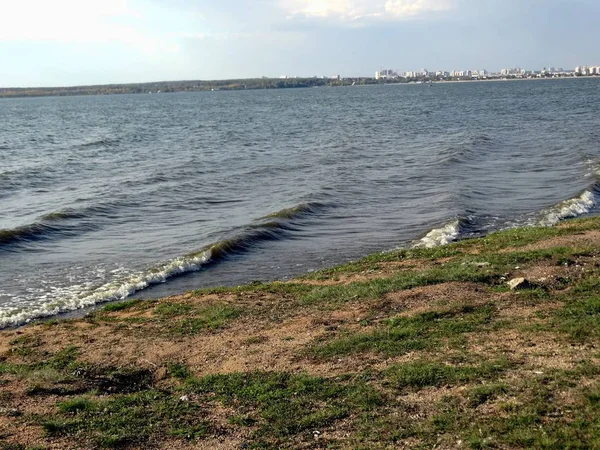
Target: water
[(112, 196)]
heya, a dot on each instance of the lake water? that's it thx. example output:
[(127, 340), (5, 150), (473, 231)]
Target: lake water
[(106, 197)]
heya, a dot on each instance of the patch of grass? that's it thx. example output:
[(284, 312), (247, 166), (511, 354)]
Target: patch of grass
[(539, 422), (409, 333), (179, 370), (64, 358), (14, 446), (580, 317), (60, 361), (275, 287), (142, 418), (172, 309), (420, 374), (284, 404), (485, 392), (25, 346), (336, 295), (76, 405), (208, 318), (121, 306)]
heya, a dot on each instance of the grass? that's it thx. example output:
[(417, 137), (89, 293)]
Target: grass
[(422, 373), (483, 393), (276, 405), (121, 306), (207, 318), (134, 419), (172, 309), (579, 319), (444, 376), (284, 404), (404, 334)]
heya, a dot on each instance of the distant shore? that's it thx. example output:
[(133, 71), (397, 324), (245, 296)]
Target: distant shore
[(163, 87)]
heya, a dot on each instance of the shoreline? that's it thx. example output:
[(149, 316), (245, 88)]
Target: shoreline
[(411, 348), (220, 85)]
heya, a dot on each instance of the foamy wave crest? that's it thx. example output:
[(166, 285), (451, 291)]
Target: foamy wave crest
[(78, 297), (570, 208), (440, 236)]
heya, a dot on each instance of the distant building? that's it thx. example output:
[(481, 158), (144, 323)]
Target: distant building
[(385, 73)]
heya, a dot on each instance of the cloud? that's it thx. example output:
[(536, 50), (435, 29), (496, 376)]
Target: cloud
[(356, 10), (79, 22), (410, 8)]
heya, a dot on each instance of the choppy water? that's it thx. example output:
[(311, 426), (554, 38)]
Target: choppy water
[(106, 197)]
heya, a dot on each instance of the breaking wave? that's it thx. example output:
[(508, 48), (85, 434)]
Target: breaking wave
[(440, 236), (275, 226), (571, 208)]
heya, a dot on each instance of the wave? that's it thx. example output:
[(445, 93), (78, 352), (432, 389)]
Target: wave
[(574, 207), (440, 236), (298, 211), (102, 142), (465, 150), (471, 226), (274, 226), (64, 223)]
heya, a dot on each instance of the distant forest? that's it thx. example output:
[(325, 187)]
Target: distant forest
[(186, 86)]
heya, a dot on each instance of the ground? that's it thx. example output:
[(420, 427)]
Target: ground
[(424, 348)]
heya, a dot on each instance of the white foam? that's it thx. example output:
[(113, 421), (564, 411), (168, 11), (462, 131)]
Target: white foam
[(85, 295), (440, 236), (569, 208)]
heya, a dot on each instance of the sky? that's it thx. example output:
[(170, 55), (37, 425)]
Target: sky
[(76, 42)]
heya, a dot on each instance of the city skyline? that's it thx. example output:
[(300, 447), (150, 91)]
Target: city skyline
[(66, 43)]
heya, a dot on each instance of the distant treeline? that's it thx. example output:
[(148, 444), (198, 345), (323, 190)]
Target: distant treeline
[(185, 86), (220, 85)]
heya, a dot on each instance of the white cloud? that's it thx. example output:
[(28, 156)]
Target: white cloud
[(355, 10), (79, 22), (409, 8)]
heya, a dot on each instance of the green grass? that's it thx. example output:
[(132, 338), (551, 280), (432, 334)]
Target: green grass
[(275, 405), (179, 370), (422, 373), (141, 418), (409, 333), (60, 361), (208, 318), (121, 306), (580, 317), (336, 295), (442, 395), (172, 309), (284, 404), (538, 422), (483, 393)]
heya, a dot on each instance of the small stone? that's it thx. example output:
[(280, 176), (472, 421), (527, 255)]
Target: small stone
[(519, 283)]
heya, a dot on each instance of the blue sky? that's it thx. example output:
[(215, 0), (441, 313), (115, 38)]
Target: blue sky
[(73, 42)]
